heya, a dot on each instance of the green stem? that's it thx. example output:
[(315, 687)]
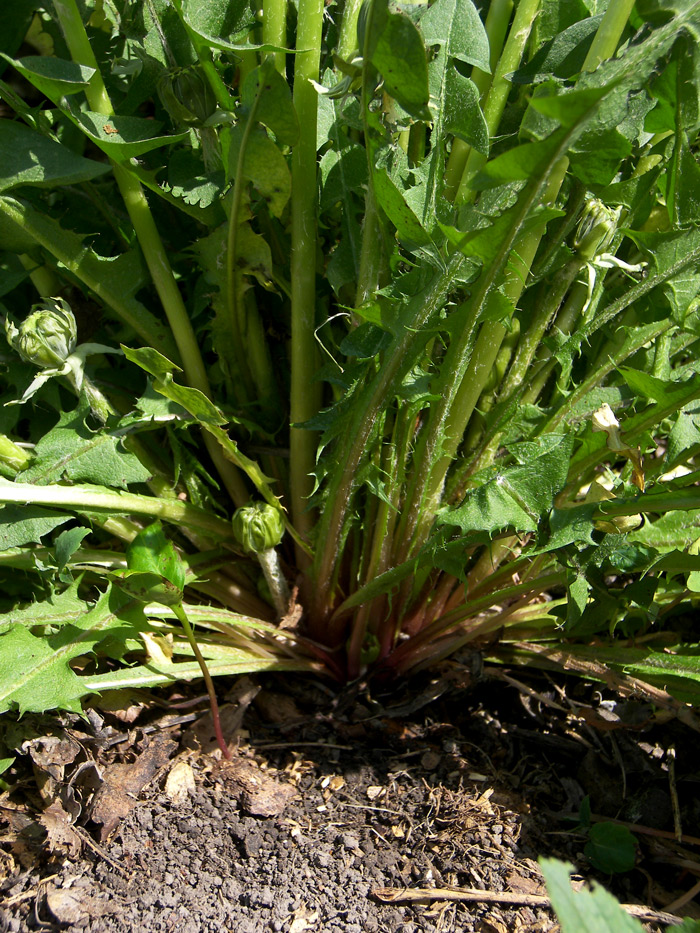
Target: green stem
[(270, 563), (347, 38), (608, 34), (275, 29), (83, 497), (305, 396), (371, 258), (185, 622), (43, 279)]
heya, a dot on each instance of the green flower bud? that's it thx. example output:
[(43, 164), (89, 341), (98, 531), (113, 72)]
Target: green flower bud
[(47, 337), (186, 95), (258, 527), (596, 229)]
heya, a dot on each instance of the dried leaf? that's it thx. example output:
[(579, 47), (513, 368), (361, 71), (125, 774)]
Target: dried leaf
[(61, 838), (122, 784), (71, 906), (180, 784), (258, 793)]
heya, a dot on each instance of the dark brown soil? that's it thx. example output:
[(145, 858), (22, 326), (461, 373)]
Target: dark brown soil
[(371, 793)]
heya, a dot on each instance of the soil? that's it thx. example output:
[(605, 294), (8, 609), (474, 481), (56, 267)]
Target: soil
[(344, 812)]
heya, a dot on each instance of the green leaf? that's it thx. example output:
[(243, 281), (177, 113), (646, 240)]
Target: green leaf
[(54, 77), (683, 188), (464, 117), (192, 400), (16, 19), (35, 673), (517, 496), (665, 250), (398, 53), (392, 185), (152, 552), (611, 848), (584, 911), (28, 158), (71, 450), (67, 543), (122, 138), (60, 609), (456, 26), (570, 107), (155, 675), (671, 531), (563, 56), (147, 587), (275, 108), (517, 164), (27, 524), (646, 385), (263, 165), (216, 21), (685, 434)]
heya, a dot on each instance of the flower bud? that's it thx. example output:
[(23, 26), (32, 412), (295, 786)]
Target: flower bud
[(186, 95), (47, 337), (596, 229), (258, 527)]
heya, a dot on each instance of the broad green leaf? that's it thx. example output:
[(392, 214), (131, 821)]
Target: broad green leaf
[(122, 138), (683, 187), (263, 165), (456, 26), (685, 434), (392, 182), (398, 53), (218, 21), (517, 164), (275, 108), (59, 609), (17, 17), (464, 117), (152, 552), (67, 543), (35, 673), (611, 848), (646, 385), (562, 56), (28, 158), (570, 107), (584, 911), (27, 524), (664, 251), (73, 451), (671, 531), (147, 587), (54, 77), (517, 496), (192, 400)]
